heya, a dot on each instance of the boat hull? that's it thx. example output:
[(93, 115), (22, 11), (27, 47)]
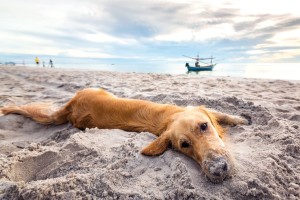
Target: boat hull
[(197, 69)]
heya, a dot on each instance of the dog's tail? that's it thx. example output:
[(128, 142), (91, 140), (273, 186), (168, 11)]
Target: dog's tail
[(41, 113)]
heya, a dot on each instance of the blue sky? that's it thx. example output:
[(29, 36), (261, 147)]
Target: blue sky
[(236, 31)]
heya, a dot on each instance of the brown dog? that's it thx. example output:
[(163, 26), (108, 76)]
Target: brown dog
[(194, 131)]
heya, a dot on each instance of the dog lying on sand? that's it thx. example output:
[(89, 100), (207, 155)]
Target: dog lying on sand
[(194, 131)]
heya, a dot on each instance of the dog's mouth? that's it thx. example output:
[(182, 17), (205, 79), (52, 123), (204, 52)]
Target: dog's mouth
[(217, 168), (215, 180)]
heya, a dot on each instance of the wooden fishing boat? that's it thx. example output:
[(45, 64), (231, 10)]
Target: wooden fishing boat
[(200, 68), (206, 67)]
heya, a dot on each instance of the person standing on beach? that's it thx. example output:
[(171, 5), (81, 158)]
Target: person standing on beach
[(37, 61), (51, 63)]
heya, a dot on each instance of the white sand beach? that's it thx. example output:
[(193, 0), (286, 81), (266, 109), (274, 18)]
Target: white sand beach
[(62, 162)]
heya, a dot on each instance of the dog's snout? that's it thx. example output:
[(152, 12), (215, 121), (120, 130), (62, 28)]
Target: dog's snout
[(218, 167)]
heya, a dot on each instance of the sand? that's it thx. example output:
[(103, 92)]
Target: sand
[(62, 162)]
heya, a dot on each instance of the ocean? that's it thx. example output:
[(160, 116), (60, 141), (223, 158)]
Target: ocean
[(283, 71)]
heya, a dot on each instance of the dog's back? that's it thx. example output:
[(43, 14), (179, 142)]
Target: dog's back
[(98, 108)]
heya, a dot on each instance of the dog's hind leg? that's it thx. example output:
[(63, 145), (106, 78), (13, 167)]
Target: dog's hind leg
[(40, 112)]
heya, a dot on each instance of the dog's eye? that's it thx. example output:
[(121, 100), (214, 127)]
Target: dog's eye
[(185, 144), (203, 127)]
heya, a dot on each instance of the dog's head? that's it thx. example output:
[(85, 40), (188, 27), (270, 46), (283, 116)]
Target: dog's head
[(196, 133)]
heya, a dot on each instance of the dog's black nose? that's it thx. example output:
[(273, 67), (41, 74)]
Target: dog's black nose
[(218, 167)]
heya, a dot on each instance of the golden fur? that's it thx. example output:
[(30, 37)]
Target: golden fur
[(193, 131)]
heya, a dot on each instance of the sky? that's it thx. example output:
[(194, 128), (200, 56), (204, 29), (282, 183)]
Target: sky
[(232, 30)]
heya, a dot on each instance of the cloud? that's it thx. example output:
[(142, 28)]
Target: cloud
[(123, 28)]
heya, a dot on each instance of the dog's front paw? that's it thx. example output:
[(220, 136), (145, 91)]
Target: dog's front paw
[(237, 120), (247, 120)]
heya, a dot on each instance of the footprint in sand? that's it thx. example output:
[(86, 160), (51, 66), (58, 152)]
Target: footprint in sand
[(31, 168)]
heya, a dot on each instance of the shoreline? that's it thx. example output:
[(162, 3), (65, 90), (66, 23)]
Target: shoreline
[(64, 162), (243, 72)]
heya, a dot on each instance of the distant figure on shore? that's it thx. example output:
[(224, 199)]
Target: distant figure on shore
[(37, 61), (51, 63), (43, 63)]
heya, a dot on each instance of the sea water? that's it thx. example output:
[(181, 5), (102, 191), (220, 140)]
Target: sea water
[(283, 71)]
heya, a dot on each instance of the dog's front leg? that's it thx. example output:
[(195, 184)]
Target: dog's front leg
[(231, 120)]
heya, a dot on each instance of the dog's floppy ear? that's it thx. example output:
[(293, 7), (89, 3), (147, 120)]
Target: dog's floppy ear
[(214, 120), (158, 146)]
